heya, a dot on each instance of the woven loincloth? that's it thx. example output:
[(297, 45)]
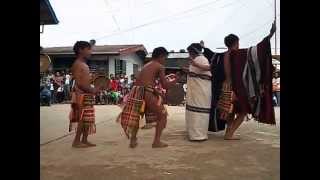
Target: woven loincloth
[(131, 113), (151, 117), (225, 103), (82, 110)]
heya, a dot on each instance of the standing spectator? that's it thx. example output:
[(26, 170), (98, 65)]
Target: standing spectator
[(185, 89), (126, 86), (51, 84), (122, 88), (50, 76), (60, 94), (67, 83), (118, 82), (276, 87), (114, 84), (121, 78), (58, 82), (111, 76), (133, 80)]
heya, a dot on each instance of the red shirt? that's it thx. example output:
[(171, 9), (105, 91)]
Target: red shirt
[(114, 85)]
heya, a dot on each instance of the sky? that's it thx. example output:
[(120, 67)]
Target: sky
[(174, 24)]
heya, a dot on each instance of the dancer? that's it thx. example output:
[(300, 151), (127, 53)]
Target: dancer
[(82, 117), (143, 97), (247, 88), (198, 98)]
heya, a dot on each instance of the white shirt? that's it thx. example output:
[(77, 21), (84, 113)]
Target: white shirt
[(60, 89), (51, 87), (185, 87), (276, 80), (67, 82)]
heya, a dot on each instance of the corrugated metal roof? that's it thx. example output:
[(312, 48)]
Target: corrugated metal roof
[(105, 49), (175, 55)]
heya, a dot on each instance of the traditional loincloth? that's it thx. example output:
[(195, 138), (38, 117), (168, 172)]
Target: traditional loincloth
[(82, 110), (135, 108), (151, 117), (132, 110), (225, 103)]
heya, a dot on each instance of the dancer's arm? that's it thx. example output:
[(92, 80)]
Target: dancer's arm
[(272, 30)]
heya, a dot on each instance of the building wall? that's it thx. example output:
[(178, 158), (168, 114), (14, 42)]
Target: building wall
[(112, 64), (130, 60), (65, 62)]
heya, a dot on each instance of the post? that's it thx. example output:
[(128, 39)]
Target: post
[(275, 19)]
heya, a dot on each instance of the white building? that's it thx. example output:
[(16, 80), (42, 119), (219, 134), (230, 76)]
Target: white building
[(108, 59)]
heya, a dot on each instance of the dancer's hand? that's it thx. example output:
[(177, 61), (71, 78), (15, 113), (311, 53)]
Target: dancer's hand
[(273, 29), (202, 44), (170, 76)]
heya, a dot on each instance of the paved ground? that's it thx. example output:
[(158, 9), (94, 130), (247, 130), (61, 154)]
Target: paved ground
[(255, 157)]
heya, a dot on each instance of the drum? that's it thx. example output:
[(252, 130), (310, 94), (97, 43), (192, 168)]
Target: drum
[(44, 62), (101, 82)]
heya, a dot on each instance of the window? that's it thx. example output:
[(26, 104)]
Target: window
[(120, 66), (135, 68)]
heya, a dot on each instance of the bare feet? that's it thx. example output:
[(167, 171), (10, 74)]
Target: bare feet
[(231, 138), (79, 145), (133, 143), (159, 145), (89, 144)]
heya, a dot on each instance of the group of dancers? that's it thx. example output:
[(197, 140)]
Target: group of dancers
[(223, 89)]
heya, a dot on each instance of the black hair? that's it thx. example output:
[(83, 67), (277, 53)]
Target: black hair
[(159, 51), (80, 45), (230, 40), (195, 48)]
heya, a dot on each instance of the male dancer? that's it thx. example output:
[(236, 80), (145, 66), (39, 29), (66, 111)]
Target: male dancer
[(82, 110), (143, 97), (232, 109)]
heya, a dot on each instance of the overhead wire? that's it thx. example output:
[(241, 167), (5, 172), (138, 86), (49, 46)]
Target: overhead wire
[(244, 36), (157, 20)]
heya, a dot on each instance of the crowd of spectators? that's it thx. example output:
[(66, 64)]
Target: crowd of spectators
[(56, 88)]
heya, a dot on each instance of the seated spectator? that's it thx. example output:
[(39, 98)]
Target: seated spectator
[(45, 96), (60, 94)]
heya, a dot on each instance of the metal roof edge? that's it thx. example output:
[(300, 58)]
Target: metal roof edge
[(56, 21)]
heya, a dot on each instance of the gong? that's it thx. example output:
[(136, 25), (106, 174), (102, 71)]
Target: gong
[(101, 82), (44, 62)]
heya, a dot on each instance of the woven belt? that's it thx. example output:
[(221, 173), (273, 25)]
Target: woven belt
[(201, 76)]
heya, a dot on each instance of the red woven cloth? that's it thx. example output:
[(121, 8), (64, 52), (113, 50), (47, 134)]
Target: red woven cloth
[(238, 60)]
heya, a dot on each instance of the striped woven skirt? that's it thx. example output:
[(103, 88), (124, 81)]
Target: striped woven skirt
[(82, 110)]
